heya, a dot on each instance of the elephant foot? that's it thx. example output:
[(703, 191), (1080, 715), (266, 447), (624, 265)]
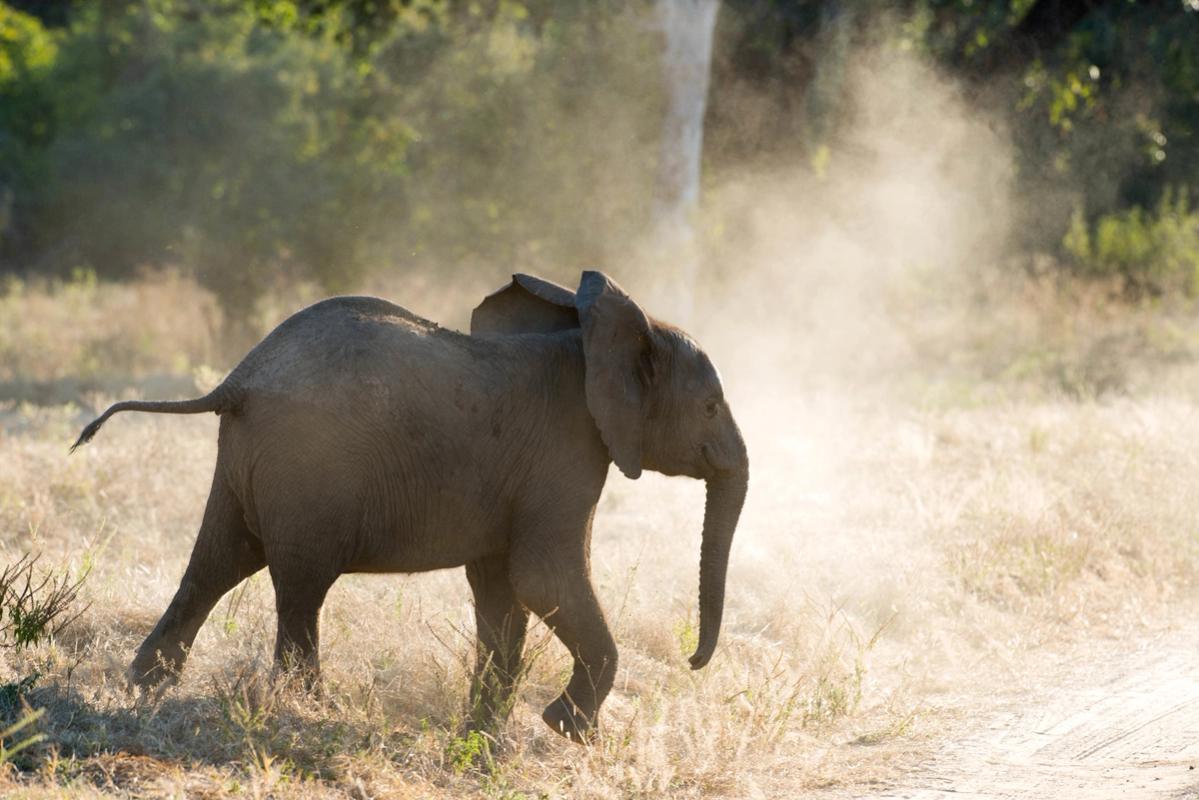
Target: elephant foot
[(566, 719), (298, 678), (484, 721), (152, 670), (489, 710)]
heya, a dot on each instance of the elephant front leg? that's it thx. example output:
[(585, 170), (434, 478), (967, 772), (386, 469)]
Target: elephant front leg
[(501, 622), (565, 599)]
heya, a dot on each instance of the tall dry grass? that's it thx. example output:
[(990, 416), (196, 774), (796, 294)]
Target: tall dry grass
[(910, 549)]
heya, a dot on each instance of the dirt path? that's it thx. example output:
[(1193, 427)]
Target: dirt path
[(1121, 722)]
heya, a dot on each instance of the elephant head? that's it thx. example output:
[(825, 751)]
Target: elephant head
[(656, 399)]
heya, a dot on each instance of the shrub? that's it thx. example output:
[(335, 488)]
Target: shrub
[(255, 143), (34, 608), (1152, 253)]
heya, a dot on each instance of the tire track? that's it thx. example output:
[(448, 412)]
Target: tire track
[(1121, 722)]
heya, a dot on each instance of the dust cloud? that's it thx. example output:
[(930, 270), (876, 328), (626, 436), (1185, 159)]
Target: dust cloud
[(821, 261), (818, 270), (825, 272), (822, 273)]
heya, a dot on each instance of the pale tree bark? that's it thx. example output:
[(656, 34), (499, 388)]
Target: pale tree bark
[(687, 27)]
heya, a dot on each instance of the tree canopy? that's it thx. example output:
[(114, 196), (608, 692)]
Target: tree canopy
[(249, 140)]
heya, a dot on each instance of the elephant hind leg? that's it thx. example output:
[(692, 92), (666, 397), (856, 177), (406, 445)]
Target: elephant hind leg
[(560, 592), (500, 625), (301, 584), (225, 553)]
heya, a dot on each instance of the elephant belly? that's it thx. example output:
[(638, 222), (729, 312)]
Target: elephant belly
[(447, 535)]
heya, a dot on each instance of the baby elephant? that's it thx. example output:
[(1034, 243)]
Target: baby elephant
[(359, 437)]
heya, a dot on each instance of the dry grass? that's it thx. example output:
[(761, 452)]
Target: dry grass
[(898, 562), (86, 332)]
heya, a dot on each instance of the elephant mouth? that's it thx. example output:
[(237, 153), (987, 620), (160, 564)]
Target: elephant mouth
[(711, 459), (718, 460)]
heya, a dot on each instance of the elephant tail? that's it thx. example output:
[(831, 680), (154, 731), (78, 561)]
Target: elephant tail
[(220, 400)]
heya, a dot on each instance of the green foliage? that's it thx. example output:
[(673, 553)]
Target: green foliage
[(269, 140), (25, 47), (536, 142), (1099, 98), (470, 751), (210, 140), (1151, 252), (34, 608), (250, 142), (1102, 108), (27, 52)]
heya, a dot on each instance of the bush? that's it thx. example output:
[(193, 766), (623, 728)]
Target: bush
[(256, 143), (27, 52), (207, 140), (34, 608), (1152, 253)]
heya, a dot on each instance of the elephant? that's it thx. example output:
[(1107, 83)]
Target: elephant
[(360, 437)]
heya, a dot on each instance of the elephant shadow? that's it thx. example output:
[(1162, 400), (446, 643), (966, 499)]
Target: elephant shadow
[(252, 724)]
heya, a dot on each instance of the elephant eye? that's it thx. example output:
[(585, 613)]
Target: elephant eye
[(712, 408)]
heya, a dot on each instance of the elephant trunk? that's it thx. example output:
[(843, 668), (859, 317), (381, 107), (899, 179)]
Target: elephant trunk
[(725, 496)]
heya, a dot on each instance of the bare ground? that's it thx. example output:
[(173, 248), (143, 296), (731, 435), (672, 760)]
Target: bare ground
[(1118, 719)]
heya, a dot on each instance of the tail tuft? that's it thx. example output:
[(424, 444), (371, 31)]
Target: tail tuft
[(86, 436)]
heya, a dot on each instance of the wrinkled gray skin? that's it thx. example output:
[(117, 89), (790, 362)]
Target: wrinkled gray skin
[(358, 437)]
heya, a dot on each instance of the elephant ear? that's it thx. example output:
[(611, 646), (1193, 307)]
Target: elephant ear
[(616, 348), (526, 305)]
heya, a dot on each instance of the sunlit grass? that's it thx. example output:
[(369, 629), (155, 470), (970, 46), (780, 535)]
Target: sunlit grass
[(879, 565), (906, 553)]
